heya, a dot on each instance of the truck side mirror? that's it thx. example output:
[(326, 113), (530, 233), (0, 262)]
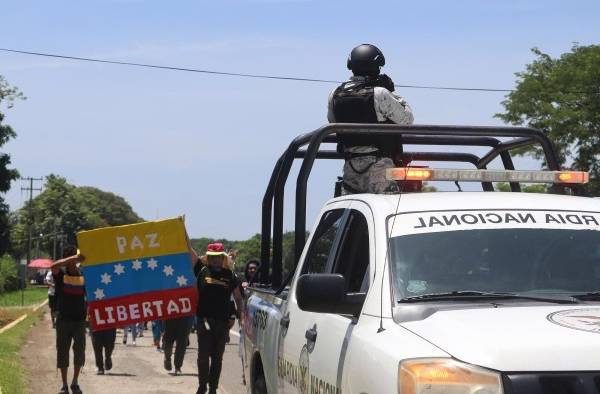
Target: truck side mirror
[(326, 293)]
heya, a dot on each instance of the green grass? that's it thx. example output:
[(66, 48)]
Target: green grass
[(12, 378), (33, 295)]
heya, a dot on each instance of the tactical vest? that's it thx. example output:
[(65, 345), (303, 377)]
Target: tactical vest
[(354, 102)]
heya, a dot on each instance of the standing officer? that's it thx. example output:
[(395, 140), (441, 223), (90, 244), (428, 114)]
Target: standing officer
[(367, 98), (216, 283)]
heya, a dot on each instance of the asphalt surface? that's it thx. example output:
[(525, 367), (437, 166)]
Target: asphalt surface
[(136, 369)]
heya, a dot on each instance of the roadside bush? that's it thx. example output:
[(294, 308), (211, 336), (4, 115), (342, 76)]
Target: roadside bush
[(9, 274)]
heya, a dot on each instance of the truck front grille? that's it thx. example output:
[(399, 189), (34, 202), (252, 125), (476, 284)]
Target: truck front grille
[(552, 383)]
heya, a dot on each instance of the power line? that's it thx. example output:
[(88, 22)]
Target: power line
[(234, 74)]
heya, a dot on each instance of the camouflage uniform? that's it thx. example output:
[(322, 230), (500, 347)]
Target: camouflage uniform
[(366, 174), (364, 168)]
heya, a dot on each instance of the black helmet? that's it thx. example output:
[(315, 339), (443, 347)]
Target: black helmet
[(366, 59)]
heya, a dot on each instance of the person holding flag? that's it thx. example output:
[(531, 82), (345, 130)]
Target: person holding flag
[(70, 317), (216, 284)]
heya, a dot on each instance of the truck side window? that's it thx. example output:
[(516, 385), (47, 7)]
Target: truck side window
[(322, 242), (352, 259)]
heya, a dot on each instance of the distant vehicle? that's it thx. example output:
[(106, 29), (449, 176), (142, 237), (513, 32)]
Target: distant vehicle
[(443, 292)]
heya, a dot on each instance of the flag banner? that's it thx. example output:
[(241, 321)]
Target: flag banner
[(135, 273)]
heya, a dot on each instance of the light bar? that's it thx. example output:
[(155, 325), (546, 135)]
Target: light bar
[(446, 174)]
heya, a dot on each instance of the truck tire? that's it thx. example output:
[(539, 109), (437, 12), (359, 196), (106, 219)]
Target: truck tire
[(259, 386)]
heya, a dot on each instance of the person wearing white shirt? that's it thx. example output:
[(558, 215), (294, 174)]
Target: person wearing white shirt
[(49, 281)]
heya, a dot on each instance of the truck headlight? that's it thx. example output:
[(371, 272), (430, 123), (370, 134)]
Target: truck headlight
[(446, 376)]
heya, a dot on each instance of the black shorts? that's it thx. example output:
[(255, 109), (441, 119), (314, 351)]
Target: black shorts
[(70, 333), (52, 302)]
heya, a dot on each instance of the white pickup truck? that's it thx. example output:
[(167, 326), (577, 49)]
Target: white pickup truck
[(442, 292)]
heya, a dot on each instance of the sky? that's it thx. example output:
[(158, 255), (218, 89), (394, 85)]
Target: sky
[(174, 143)]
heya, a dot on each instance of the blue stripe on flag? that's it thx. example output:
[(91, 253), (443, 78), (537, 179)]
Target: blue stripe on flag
[(121, 278)]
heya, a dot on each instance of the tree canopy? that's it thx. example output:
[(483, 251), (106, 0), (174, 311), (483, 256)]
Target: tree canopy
[(561, 97), (8, 95), (65, 209)]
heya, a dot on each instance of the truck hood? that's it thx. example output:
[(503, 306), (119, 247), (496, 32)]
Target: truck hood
[(517, 338)]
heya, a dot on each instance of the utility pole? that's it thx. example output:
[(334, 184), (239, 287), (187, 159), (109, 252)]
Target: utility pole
[(56, 235), (31, 189)]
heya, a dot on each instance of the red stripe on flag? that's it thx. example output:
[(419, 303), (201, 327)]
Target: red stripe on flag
[(148, 306)]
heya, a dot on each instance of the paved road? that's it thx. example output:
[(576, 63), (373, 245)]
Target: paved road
[(137, 369)]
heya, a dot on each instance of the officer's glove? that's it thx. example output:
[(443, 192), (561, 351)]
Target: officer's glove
[(385, 82)]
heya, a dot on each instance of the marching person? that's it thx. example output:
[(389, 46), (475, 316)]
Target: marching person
[(249, 272), (368, 97), (70, 316), (134, 333), (103, 340), (49, 281), (216, 283), (158, 330), (177, 332)]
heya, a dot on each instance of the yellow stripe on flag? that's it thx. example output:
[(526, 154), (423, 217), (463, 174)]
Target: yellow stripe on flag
[(73, 280), (132, 241)]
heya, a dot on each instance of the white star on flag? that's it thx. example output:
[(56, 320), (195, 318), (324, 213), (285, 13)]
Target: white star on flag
[(105, 278), (152, 263), (181, 280), (119, 269), (136, 265), (168, 270), (99, 293)]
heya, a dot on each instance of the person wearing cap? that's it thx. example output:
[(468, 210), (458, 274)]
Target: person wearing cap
[(368, 97), (70, 317), (216, 284)]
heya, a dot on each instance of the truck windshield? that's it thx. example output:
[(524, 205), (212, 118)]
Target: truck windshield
[(525, 261)]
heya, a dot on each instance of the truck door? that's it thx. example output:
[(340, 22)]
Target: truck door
[(313, 349)]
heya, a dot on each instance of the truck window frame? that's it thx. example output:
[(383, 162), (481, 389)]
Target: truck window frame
[(319, 232), (355, 228)]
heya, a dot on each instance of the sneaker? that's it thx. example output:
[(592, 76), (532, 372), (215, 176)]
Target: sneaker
[(177, 371), (134, 342), (75, 389), (99, 371), (64, 390), (108, 364), (158, 349), (167, 364)]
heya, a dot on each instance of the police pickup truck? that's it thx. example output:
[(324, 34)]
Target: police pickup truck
[(476, 292)]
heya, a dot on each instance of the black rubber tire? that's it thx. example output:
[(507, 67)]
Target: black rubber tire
[(260, 385)]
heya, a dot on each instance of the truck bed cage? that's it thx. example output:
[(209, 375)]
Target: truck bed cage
[(272, 205)]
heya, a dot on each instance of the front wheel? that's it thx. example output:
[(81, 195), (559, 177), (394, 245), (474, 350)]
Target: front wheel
[(260, 385)]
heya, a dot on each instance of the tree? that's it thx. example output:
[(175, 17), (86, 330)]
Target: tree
[(536, 188), (8, 95), (247, 250), (65, 209), (113, 210), (9, 274), (561, 97)]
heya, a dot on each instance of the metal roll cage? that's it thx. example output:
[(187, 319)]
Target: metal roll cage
[(272, 205)]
